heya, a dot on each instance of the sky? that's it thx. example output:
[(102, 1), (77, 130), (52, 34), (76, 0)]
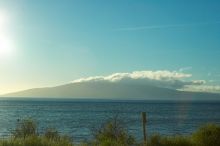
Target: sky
[(53, 42)]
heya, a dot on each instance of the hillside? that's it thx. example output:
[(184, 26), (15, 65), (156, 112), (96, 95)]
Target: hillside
[(108, 90)]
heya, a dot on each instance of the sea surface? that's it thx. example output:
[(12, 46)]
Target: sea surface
[(77, 118)]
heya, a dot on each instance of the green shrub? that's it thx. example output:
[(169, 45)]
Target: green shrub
[(52, 134), (35, 141), (157, 140), (25, 128), (25, 134), (113, 133), (208, 135)]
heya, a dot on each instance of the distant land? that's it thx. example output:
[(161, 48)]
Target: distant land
[(111, 90)]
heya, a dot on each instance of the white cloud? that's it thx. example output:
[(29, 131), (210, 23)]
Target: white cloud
[(199, 82), (202, 88), (164, 78), (152, 75)]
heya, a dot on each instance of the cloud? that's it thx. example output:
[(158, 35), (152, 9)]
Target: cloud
[(202, 88), (199, 82), (185, 68), (164, 78), (153, 75), (150, 27)]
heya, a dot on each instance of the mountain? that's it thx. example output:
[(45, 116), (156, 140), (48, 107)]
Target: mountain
[(108, 90)]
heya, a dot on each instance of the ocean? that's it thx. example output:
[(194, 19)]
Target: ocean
[(77, 118)]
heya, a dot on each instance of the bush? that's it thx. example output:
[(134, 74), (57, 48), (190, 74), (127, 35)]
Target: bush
[(25, 128), (157, 140), (208, 135), (113, 133), (35, 141), (25, 134), (52, 134)]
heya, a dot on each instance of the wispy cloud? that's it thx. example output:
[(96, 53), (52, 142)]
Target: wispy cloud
[(185, 68), (150, 27)]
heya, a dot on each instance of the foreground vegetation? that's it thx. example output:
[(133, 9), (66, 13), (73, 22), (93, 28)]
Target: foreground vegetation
[(111, 133)]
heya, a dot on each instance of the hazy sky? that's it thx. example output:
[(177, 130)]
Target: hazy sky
[(51, 42)]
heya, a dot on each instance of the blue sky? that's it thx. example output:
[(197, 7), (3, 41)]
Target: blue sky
[(57, 41)]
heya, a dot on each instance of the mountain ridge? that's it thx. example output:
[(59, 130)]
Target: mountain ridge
[(109, 90)]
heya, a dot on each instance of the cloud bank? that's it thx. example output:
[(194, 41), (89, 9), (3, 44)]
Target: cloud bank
[(202, 88), (162, 78)]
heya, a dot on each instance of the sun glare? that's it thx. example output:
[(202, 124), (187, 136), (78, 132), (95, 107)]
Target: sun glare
[(3, 20), (6, 44), (6, 47)]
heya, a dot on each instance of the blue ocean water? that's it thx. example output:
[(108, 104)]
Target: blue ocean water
[(77, 117)]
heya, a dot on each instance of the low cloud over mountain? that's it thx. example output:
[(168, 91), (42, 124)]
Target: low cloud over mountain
[(163, 78), (135, 85)]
